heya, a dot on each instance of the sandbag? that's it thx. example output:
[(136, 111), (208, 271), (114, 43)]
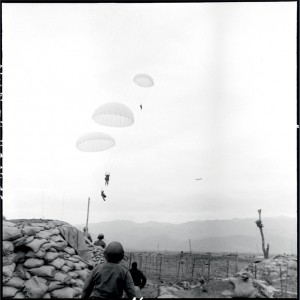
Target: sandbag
[(65, 292), (73, 274), (47, 245), (9, 291), (60, 245), (23, 241), (21, 254), (47, 295), (70, 264), (79, 283), (50, 256), (54, 285), (7, 247), (73, 259), (82, 273), (33, 263), (43, 271), (39, 254), (36, 244), (42, 225), (57, 263), (42, 280), (20, 271), (45, 234), (55, 231), (37, 228), (62, 277), (8, 271), (28, 230), (15, 282), (9, 259), (243, 288), (11, 233), (19, 295), (57, 238), (34, 288), (70, 250), (52, 250), (66, 269)]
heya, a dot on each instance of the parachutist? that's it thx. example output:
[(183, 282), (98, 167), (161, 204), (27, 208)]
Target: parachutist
[(106, 178), (103, 195)]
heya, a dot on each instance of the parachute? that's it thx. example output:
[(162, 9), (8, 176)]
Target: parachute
[(143, 80), (114, 114), (94, 142)]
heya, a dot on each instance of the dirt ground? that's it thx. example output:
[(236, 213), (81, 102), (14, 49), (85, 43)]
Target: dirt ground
[(214, 289)]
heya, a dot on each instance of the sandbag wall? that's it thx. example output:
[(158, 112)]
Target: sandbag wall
[(97, 253), (39, 263)]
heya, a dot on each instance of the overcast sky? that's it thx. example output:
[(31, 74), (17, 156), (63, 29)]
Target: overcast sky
[(222, 108)]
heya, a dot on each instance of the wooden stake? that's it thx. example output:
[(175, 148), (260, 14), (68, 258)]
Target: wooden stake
[(160, 267), (227, 268), (208, 270), (193, 267), (179, 262)]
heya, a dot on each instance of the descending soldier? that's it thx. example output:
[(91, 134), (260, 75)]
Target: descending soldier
[(106, 178), (103, 195)]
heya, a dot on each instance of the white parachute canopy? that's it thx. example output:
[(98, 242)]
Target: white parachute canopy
[(94, 142), (143, 80), (114, 114)]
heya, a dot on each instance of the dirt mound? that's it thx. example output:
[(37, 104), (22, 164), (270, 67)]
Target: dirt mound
[(45, 259)]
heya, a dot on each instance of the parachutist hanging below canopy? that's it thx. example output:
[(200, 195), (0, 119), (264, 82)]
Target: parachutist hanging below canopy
[(103, 195), (106, 178)]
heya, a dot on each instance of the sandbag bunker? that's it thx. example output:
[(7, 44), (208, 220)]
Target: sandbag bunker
[(45, 259)]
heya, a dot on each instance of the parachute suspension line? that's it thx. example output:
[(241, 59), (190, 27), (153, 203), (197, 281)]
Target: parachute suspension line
[(143, 81)]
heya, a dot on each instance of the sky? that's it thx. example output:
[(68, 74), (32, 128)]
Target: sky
[(222, 108)]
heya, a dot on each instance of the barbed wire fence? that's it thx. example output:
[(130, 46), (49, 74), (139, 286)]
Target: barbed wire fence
[(192, 267), (189, 267)]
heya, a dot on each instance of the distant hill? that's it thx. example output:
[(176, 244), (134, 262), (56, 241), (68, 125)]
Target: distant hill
[(240, 235)]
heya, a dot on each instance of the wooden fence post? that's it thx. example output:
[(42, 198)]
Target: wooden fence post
[(193, 267), (160, 267), (255, 271), (281, 284), (208, 270), (286, 281), (227, 268), (236, 263), (178, 268), (146, 265)]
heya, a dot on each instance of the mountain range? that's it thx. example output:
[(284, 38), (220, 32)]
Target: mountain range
[(235, 235)]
